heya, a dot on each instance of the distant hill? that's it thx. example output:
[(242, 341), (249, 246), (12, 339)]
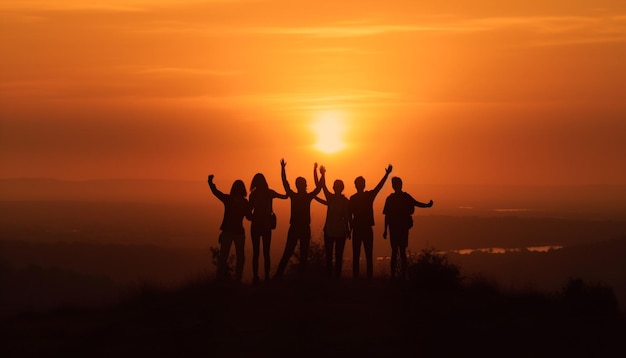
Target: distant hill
[(111, 190), (601, 261), (589, 201)]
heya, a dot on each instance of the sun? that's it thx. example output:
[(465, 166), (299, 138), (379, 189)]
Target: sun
[(329, 127)]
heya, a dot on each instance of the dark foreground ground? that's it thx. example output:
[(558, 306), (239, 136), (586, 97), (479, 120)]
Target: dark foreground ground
[(298, 317)]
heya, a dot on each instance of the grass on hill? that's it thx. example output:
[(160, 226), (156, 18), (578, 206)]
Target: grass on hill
[(435, 312)]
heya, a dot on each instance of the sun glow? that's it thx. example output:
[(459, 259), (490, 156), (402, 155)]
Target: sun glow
[(329, 128)]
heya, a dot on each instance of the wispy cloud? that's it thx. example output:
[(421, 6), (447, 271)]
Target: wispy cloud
[(303, 101), (314, 31), (353, 30), (314, 98), (579, 41), (121, 82), (335, 50), (542, 23), (184, 71), (552, 30), (561, 30), (45, 6), (20, 18), (105, 5)]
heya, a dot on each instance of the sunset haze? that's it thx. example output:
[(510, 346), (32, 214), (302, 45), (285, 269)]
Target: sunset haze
[(158, 197), (457, 92)]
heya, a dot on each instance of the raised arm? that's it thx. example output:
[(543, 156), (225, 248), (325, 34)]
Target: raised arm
[(383, 180), (283, 176), (321, 183), (324, 187), (214, 189), (316, 180)]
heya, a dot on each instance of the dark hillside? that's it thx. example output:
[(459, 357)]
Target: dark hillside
[(601, 262), (312, 317)]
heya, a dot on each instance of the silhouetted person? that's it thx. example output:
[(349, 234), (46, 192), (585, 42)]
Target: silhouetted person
[(236, 207), (263, 221), (337, 224), (300, 220), (362, 211), (399, 209)]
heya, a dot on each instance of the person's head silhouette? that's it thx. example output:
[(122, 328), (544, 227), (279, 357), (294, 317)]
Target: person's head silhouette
[(396, 184), (301, 184), (338, 186), (258, 182), (238, 189), (359, 184)]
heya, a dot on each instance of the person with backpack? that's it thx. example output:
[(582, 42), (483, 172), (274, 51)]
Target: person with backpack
[(398, 211)]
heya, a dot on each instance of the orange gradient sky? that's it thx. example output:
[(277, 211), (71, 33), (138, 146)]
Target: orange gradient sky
[(478, 92)]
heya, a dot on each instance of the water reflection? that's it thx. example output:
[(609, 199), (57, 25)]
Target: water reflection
[(501, 250), (489, 250)]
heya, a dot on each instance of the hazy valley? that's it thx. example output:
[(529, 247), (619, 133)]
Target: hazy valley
[(130, 235)]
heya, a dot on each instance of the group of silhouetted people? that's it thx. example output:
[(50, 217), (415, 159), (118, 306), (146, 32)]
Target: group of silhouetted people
[(346, 219)]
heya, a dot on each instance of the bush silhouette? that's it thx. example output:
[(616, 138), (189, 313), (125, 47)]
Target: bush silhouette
[(580, 297), (430, 269), (230, 264), (316, 264)]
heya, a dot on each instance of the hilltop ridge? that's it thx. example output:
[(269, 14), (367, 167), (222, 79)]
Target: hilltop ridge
[(314, 316)]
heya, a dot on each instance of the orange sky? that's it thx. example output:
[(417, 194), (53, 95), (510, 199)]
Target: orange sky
[(479, 92)]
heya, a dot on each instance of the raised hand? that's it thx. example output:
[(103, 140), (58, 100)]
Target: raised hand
[(211, 176), (322, 170), (283, 163), (388, 169)]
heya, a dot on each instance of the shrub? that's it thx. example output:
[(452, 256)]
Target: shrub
[(430, 269), (230, 263), (316, 264), (580, 297)]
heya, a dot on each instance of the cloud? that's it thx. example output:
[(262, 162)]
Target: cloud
[(121, 82), (335, 50), (578, 41), (314, 31), (184, 71), (544, 23), (352, 30), (20, 18), (571, 29), (561, 30), (107, 5), (299, 101), (93, 5)]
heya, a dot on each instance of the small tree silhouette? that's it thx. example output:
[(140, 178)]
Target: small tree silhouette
[(580, 297), (430, 269), (215, 258), (316, 264)]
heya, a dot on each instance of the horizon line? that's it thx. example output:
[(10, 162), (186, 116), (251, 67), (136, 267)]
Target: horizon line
[(130, 179)]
